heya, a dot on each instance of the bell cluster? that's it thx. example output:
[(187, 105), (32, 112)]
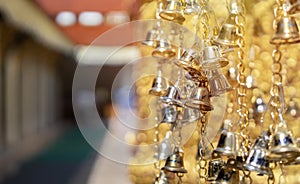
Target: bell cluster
[(199, 78)]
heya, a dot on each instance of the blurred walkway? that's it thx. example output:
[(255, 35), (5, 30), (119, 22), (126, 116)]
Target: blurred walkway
[(71, 160)]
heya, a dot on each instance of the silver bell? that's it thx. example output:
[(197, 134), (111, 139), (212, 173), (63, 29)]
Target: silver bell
[(214, 168), (218, 83), (169, 114), (161, 179), (171, 96), (227, 144)]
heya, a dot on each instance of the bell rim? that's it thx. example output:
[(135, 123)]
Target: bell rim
[(257, 169), (148, 43), (164, 53), (226, 43), (168, 15), (285, 152), (283, 41), (175, 170), (225, 152), (211, 63), (171, 101), (199, 106)]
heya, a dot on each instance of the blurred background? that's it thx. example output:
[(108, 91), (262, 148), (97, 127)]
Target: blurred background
[(41, 41)]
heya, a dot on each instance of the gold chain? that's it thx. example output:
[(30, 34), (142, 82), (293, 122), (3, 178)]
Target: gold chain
[(157, 162), (202, 162)]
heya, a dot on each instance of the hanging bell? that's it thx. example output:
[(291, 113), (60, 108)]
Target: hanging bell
[(152, 37), (190, 115), (257, 161), (200, 98), (227, 175), (163, 49), (169, 114), (172, 10), (228, 35), (191, 6), (171, 96), (227, 144), (159, 86), (283, 146), (214, 168), (174, 162), (189, 60), (287, 31), (212, 58), (161, 179), (218, 83), (166, 146), (294, 7)]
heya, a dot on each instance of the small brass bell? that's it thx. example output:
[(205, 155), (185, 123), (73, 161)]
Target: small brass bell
[(174, 162), (283, 146), (163, 50), (171, 96), (169, 114), (212, 58), (172, 10), (227, 144), (257, 161), (190, 115), (191, 6), (200, 98), (228, 35), (159, 86), (287, 31), (161, 179), (214, 168), (218, 83), (189, 60), (151, 38)]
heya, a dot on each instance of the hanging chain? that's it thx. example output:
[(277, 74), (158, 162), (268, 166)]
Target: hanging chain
[(202, 162), (157, 162)]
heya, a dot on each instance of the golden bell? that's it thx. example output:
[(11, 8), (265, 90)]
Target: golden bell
[(228, 35), (169, 114), (287, 31), (200, 98), (283, 146), (227, 144), (174, 162), (218, 83), (171, 96), (212, 58), (161, 179), (256, 161), (151, 38), (172, 11), (189, 60), (163, 50), (159, 86), (191, 6)]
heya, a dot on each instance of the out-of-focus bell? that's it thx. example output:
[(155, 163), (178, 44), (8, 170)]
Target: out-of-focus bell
[(214, 168), (169, 114), (171, 96), (161, 179), (191, 6), (283, 146), (151, 38), (189, 60), (287, 31), (251, 82), (227, 144), (293, 109), (163, 50), (172, 10), (294, 7), (159, 86), (190, 115), (212, 58), (256, 161), (166, 146), (228, 175), (174, 162), (218, 83), (200, 98), (228, 35)]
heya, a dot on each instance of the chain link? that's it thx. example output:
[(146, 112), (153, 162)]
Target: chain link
[(202, 162)]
